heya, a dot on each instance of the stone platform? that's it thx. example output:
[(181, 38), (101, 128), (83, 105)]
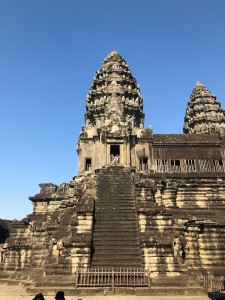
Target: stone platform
[(12, 292)]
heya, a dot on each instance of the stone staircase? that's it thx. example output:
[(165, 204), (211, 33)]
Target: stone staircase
[(116, 240)]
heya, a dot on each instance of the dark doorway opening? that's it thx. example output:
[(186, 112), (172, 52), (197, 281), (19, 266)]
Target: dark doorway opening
[(88, 164), (115, 150), (144, 163), (114, 154)]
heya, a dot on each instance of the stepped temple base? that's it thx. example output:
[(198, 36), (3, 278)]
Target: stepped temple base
[(118, 220)]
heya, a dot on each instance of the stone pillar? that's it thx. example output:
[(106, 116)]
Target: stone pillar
[(123, 146), (128, 162)]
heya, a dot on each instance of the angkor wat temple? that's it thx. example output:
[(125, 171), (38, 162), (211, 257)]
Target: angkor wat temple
[(142, 203)]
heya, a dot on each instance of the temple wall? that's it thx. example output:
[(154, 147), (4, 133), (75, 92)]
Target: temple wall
[(88, 151), (99, 155), (42, 207), (139, 151), (175, 216), (97, 151), (211, 247)]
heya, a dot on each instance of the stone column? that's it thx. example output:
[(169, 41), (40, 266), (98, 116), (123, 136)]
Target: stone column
[(128, 153)]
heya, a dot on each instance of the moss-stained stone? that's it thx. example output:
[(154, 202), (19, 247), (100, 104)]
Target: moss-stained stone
[(143, 200)]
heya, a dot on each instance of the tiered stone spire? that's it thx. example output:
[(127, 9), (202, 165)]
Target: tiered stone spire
[(204, 113), (114, 103)]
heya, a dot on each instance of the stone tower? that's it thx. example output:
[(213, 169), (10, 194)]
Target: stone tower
[(114, 116), (204, 113)]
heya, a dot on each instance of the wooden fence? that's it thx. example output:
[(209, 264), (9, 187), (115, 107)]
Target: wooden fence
[(214, 283), (103, 277)]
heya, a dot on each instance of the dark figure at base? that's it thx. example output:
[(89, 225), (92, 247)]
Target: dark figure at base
[(39, 297), (217, 295), (60, 296)]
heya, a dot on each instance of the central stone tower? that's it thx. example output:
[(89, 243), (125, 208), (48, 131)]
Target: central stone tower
[(114, 116)]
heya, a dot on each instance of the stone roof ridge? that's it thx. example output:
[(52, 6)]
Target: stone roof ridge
[(186, 138)]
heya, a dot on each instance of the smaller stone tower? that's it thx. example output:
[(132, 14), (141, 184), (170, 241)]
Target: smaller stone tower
[(204, 113), (114, 116)]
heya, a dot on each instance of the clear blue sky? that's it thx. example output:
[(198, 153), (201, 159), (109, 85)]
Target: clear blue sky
[(49, 53)]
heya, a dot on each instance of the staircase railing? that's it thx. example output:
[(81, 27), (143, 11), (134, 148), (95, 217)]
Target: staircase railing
[(112, 278), (214, 283)]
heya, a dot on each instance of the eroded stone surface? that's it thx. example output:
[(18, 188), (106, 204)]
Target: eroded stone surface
[(153, 201), (204, 113)]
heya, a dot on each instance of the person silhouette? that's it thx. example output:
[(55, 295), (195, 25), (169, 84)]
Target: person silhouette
[(60, 295), (39, 297)]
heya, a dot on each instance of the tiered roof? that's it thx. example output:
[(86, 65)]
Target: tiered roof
[(204, 113), (114, 103)]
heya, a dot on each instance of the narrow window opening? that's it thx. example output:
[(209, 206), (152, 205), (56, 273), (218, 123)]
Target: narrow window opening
[(218, 165), (88, 164), (161, 165), (143, 163), (175, 165), (190, 165)]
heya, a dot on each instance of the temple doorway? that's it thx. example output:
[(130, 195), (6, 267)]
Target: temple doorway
[(115, 154), (115, 150)]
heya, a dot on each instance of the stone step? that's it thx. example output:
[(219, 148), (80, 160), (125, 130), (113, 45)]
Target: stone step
[(109, 188), (124, 230), (50, 282), (114, 180), (104, 228), (114, 244), (133, 240), (131, 210), (5, 274), (105, 249), (117, 212), (122, 235), (131, 218), (57, 271), (125, 251), (116, 205), (16, 282), (117, 220), (119, 262), (107, 291), (115, 184), (26, 283), (114, 209), (116, 195), (114, 219), (109, 176), (129, 263), (120, 229), (118, 256), (116, 201)]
